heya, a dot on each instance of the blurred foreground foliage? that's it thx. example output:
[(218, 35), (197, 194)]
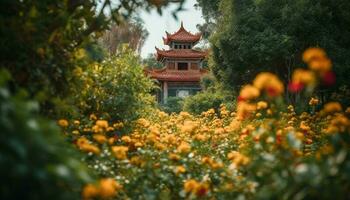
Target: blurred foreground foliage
[(35, 160)]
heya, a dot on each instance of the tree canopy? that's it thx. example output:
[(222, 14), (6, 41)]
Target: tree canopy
[(252, 36)]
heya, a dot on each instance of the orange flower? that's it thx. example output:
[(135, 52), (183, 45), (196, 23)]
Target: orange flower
[(313, 53), (321, 65), (120, 152), (244, 110), (270, 83), (63, 123), (248, 92), (126, 139), (332, 107), (304, 77), (90, 191), (180, 170), (108, 188), (100, 138), (197, 188), (190, 185), (184, 147)]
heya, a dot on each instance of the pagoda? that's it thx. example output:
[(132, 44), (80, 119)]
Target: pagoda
[(182, 65)]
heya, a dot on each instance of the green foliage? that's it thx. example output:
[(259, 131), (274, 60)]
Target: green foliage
[(151, 62), (39, 39), (36, 163), (206, 100), (253, 36), (173, 105), (116, 88)]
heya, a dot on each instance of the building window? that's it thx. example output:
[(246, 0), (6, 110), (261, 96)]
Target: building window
[(182, 66), (189, 46), (175, 46), (183, 93)]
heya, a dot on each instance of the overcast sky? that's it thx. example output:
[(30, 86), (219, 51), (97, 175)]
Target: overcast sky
[(157, 25)]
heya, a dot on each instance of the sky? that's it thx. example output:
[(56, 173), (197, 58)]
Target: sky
[(156, 25)]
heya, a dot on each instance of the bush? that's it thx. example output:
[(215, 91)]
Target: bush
[(173, 105), (116, 88), (206, 100), (35, 161)]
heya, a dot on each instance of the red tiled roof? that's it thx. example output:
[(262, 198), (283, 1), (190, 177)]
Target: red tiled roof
[(175, 75), (182, 35), (180, 53)]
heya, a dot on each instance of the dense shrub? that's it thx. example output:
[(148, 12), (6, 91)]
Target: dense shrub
[(206, 100), (173, 105), (116, 88), (35, 161)]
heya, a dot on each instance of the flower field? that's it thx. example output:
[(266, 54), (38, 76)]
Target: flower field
[(264, 149)]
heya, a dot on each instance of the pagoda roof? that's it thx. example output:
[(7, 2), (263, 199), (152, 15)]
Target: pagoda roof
[(182, 35), (176, 75), (180, 53)]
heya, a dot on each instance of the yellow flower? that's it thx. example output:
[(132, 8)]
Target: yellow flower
[(84, 145), (120, 152), (180, 170), (136, 160), (237, 158), (174, 157), (304, 126), (126, 139), (76, 122), (188, 127), (102, 124), (184, 147), (63, 123), (118, 125), (93, 117), (261, 105), (248, 92), (143, 122), (313, 101), (200, 137)]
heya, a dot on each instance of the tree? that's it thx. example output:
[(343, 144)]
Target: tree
[(151, 62), (41, 40), (116, 88), (270, 35), (131, 32)]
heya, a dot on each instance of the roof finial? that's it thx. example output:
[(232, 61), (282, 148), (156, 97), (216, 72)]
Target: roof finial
[(182, 24)]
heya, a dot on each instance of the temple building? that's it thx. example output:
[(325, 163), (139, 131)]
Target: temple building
[(182, 65)]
